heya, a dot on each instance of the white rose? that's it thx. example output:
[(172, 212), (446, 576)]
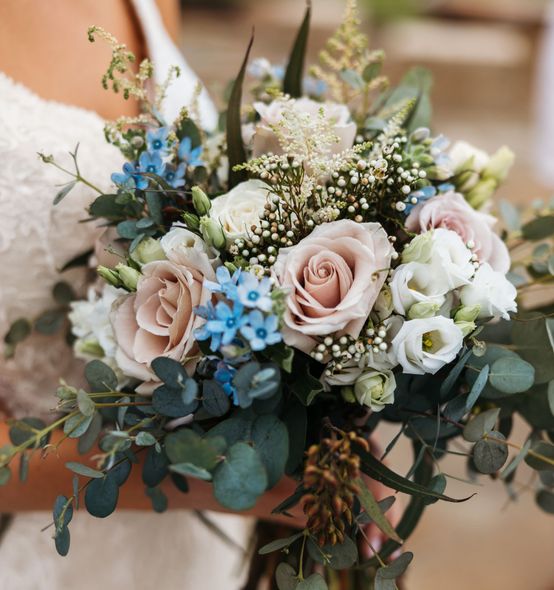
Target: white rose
[(447, 257), (240, 209), (414, 283), (492, 291), (266, 141), (426, 345), (375, 389), (184, 247)]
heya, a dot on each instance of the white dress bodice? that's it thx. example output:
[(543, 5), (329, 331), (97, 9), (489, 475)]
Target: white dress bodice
[(132, 549)]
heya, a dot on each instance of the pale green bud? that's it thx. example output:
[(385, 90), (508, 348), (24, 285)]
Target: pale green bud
[(348, 395), (90, 348), (499, 165), (384, 305), (423, 309), (109, 275), (419, 249), (466, 180), (212, 232), (467, 313), (466, 327), (200, 201), (438, 172), (148, 250), (481, 192), (420, 134), (375, 389), (129, 276), (191, 221)]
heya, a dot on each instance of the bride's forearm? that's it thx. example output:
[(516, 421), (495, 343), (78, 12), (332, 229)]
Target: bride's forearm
[(48, 477)]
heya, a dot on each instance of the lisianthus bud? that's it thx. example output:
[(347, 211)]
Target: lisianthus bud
[(129, 276), (148, 250), (420, 134), (384, 304), (423, 309), (466, 327), (200, 201), (499, 165), (466, 180), (212, 232), (348, 395), (467, 313), (375, 389), (419, 249), (109, 275), (192, 221), (481, 192)]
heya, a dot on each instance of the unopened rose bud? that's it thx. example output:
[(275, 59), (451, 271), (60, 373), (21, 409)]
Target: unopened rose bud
[(129, 276), (147, 250), (467, 313), (191, 221), (109, 275), (200, 201), (212, 232), (423, 309)]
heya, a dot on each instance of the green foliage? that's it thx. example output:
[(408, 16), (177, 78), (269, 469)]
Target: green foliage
[(481, 425), (255, 381), (100, 377), (214, 400), (545, 500), (240, 479), (512, 375), (340, 556), (18, 331), (306, 387), (191, 470), (155, 467), (158, 499), (539, 228), (26, 429), (185, 446), (533, 344), (538, 450), (84, 470), (292, 82), (279, 544), (101, 496), (386, 576), (313, 582), (271, 441), (285, 577), (490, 455)]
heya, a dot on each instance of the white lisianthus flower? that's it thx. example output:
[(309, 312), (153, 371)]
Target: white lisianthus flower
[(447, 257), (414, 283), (426, 345), (492, 291), (91, 326), (240, 209), (464, 155), (181, 246), (375, 389)]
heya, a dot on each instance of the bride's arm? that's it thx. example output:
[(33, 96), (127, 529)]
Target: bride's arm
[(48, 477)]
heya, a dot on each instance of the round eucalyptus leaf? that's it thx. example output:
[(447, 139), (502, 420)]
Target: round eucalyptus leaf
[(533, 343), (5, 475), (158, 499), (544, 449), (397, 567), (271, 439), (84, 470), (547, 478), (88, 438), (62, 512), (101, 496), (154, 468), (100, 377), (214, 400), (145, 439), (512, 375), (279, 544), (62, 541), (77, 425), (18, 331), (490, 455), (186, 446), (480, 425), (188, 469), (338, 557), (285, 576), (24, 429), (545, 499), (240, 479), (168, 401)]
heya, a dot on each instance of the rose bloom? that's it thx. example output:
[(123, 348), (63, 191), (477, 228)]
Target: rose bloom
[(240, 208), (266, 141), (451, 211), (332, 279), (159, 319)]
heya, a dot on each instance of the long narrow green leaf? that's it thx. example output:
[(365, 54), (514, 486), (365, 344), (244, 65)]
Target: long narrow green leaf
[(235, 146), (371, 466), (371, 506), (292, 84)]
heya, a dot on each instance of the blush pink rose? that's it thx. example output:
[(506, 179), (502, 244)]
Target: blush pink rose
[(451, 211), (159, 319), (332, 279)]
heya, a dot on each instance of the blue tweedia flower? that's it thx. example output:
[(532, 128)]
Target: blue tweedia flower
[(314, 87), (224, 376), (222, 324), (252, 292), (420, 196), (174, 176), (189, 155), (225, 284), (156, 140), (261, 331), (446, 187), (130, 175), (151, 163)]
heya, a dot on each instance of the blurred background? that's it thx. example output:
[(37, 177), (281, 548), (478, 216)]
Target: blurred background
[(493, 64)]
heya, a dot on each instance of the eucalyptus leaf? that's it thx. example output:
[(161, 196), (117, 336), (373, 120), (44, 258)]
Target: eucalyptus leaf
[(370, 505), (544, 449), (100, 377), (279, 544), (145, 439), (158, 499), (49, 322), (240, 479), (481, 424), (490, 455), (338, 557), (84, 470), (454, 374), (398, 567), (271, 441), (77, 425), (155, 467), (285, 576), (313, 582), (5, 475), (511, 467), (214, 400), (545, 499), (89, 437), (186, 446), (533, 344), (189, 469), (25, 429), (538, 228), (477, 388), (512, 375), (101, 496), (86, 405), (62, 541)]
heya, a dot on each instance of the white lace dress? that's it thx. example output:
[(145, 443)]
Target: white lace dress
[(139, 550)]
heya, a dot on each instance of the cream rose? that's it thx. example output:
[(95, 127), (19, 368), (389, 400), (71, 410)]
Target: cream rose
[(426, 345), (375, 389), (159, 319), (451, 211), (266, 141), (332, 279), (240, 209)]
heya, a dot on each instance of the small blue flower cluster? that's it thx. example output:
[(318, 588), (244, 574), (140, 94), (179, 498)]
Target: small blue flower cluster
[(248, 319), (153, 161), (424, 194)]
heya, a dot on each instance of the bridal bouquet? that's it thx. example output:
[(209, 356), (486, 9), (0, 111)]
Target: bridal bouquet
[(275, 291)]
